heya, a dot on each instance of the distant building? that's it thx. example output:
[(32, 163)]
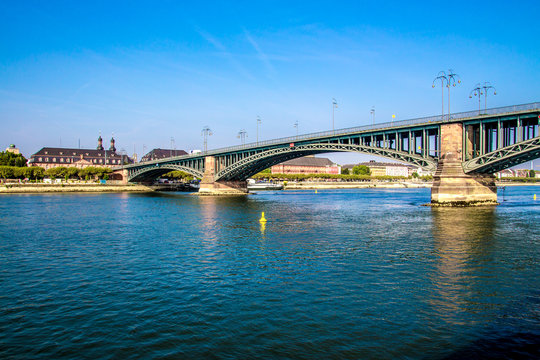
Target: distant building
[(49, 157), (389, 169), (513, 173), (158, 154), (307, 165), (13, 149)]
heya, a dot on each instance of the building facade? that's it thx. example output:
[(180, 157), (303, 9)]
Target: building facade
[(307, 165), (388, 169), (49, 157), (13, 149)]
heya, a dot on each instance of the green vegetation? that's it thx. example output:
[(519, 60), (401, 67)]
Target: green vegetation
[(361, 170), (8, 158), (180, 175), (345, 171), (532, 173), (15, 172), (36, 173)]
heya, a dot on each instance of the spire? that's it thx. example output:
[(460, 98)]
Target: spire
[(112, 148), (100, 143)]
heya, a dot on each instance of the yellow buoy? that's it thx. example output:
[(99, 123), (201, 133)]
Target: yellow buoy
[(315, 191), (262, 219), (534, 197)]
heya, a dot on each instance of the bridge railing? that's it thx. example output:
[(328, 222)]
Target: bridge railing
[(346, 131), (381, 126)]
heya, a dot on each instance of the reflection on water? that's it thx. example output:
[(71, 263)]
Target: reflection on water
[(463, 243)]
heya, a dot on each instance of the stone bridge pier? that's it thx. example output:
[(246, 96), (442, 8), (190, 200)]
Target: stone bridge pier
[(208, 185), (451, 185)]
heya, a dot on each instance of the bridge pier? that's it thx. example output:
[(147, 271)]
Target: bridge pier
[(451, 186), (210, 187)]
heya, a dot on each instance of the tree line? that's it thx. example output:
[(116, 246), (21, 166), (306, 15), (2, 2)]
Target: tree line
[(62, 172)]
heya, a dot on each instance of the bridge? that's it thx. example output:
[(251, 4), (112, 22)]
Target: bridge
[(464, 150)]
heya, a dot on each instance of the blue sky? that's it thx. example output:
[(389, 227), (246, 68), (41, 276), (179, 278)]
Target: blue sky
[(148, 71)]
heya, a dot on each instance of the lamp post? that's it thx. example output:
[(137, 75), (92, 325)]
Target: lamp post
[(477, 91), (206, 132), (482, 90), (372, 112), (447, 80), (242, 134), (441, 76), (451, 82), (258, 122), (334, 105), (296, 126)]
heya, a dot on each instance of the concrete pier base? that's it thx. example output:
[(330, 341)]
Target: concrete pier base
[(223, 188), (210, 187), (452, 187)]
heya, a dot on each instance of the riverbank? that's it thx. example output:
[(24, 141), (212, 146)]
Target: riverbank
[(354, 185), (55, 188)]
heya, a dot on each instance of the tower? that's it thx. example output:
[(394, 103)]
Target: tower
[(112, 148), (99, 143)]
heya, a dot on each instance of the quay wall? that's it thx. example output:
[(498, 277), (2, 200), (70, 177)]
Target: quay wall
[(54, 188)]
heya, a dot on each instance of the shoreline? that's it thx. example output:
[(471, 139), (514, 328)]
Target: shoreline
[(100, 188)]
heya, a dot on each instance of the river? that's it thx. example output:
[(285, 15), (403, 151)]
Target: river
[(337, 274)]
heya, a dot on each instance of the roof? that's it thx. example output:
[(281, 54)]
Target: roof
[(76, 153), (158, 153), (308, 161)]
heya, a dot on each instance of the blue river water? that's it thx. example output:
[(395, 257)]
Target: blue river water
[(338, 274)]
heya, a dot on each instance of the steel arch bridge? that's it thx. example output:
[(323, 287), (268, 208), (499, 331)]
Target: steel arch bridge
[(491, 141)]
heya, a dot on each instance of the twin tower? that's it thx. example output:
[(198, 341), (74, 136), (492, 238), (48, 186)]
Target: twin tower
[(100, 144)]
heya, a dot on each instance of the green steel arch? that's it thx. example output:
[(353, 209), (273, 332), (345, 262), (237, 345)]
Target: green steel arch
[(252, 164), (150, 173), (504, 158)]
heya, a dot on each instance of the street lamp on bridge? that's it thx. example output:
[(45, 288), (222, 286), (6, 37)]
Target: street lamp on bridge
[(206, 132), (482, 90), (334, 106), (296, 126), (258, 122), (447, 80), (242, 135), (372, 112)]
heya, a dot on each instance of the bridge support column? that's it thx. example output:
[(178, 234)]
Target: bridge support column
[(451, 186), (209, 186)]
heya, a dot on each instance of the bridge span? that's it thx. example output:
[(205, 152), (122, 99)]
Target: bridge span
[(464, 151)]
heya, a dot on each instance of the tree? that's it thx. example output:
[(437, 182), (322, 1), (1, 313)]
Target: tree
[(345, 171), (532, 173), (6, 172), (361, 170), (56, 172), (7, 158)]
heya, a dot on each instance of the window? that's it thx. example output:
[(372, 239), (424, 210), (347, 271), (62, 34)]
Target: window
[(46, 152), (100, 161), (61, 159), (61, 153), (54, 159), (86, 154), (40, 159), (74, 153)]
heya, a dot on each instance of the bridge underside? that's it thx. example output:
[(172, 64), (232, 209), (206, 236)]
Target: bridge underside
[(150, 174)]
